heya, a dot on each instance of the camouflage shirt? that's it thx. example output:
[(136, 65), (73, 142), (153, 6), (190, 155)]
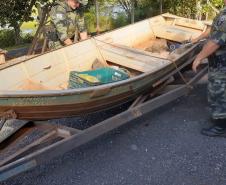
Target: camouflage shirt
[(66, 21), (218, 31)]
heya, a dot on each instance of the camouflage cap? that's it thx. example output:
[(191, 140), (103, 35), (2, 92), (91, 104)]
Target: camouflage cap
[(84, 2)]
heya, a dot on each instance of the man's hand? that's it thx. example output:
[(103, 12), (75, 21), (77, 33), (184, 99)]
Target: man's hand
[(83, 35), (193, 41), (68, 42), (209, 48), (196, 64)]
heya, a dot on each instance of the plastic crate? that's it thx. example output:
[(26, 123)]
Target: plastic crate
[(103, 75)]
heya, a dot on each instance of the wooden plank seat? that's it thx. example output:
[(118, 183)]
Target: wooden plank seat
[(132, 58), (174, 33)]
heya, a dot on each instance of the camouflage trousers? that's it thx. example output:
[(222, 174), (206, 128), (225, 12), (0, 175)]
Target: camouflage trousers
[(217, 93), (55, 45)]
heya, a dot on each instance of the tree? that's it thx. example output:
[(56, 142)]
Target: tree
[(207, 8), (129, 7), (14, 12), (161, 6), (97, 16)]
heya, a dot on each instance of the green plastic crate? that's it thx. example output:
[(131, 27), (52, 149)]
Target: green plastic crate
[(104, 75)]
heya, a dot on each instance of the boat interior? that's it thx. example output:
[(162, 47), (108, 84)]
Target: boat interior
[(140, 48)]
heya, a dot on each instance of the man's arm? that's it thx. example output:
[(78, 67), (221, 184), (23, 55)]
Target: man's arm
[(209, 48), (217, 38), (59, 18), (204, 35)]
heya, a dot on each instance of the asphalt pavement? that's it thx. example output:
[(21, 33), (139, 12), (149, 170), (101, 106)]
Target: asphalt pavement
[(164, 147)]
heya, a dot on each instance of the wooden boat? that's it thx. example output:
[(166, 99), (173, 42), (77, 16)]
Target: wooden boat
[(36, 89)]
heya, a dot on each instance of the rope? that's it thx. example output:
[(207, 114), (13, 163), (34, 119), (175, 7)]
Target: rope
[(182, 76), (102, 56)]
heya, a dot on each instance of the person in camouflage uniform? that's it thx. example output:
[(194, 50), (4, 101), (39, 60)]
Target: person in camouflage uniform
[(68, 24), (215, 51)]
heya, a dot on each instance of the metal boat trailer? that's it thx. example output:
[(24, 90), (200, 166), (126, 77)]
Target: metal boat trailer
[(38, 142)]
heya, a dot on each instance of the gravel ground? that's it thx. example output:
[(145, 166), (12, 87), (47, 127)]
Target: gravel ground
[(163, 148)]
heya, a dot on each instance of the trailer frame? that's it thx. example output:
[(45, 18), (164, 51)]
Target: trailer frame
[(71, 138)]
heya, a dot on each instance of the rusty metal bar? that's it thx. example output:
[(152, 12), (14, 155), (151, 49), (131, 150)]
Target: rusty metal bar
[(43, 155)]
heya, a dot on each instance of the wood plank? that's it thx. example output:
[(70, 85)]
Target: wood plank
[(133, 58), (31, 85), (140, 50), (136, 54), (190, 23), (168, 15), (2, 58), (127, 62), (172, 33), (130, 35), (134, 61), (11, 76)]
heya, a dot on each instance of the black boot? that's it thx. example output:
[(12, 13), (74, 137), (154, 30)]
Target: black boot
[(218, 130)]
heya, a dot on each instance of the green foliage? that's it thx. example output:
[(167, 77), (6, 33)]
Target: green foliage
[(7, 38), (120, 20), (90, 21), (218, 3), (16, 12), (190, 8), (146, 9), (182, 7), (105, 22), (27, 38), (208, 8)]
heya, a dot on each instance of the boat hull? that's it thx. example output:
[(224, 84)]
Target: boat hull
[(45, 106), (36, 89)]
